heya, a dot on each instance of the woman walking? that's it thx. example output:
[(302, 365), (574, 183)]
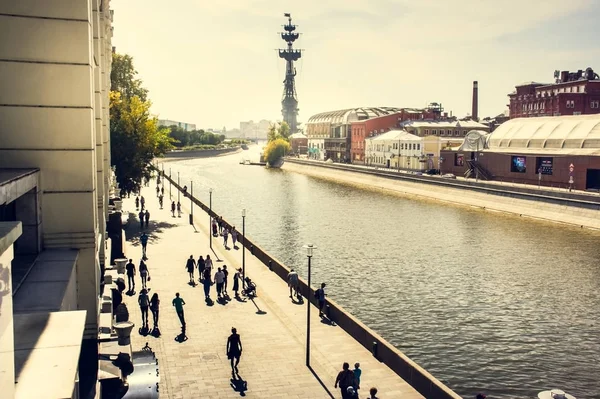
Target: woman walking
[(234, 349), (200, 264), (154, 304), (214, 228), (144, 273), (234, 236), (190, 266), (208, 264), (173, 208), (207, 283), (225, 237), (236, 282)]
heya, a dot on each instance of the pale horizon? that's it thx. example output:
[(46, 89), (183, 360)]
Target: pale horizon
[(215, 65)]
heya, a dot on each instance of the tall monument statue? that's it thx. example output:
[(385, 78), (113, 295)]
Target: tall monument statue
[(289, 103)]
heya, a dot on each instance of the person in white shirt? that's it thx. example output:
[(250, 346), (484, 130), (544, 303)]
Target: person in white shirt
[(293, 282), (219, 280)]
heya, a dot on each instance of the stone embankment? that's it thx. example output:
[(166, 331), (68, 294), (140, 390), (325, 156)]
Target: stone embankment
[(576, 209), (184, 154)]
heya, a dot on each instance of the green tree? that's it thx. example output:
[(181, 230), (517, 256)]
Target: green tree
[(135, 135), (279, 131), (275, 150)]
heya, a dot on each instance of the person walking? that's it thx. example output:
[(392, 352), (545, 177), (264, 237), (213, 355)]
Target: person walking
[(234, 234), (130, 269), (147, 217), (173, 208), (162, 190), (351, 393), (157, 189), (154, 305), (226, 274), (320, 293), (373, 393), (190, 266), (144, 242), (200, 265), (143, 202), (220, 223), (160, 201), (293, 281), (236, 282), (219, 280), (234, 349), (344, 379), (208, 264), (178, 302), (357, 373), (137, 203), (141, 215), (144, 273), (225, 237), (178, 208), (214, 228), (207, 281), (144, 303)]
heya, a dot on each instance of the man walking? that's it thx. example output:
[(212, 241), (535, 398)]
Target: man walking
[(160, 201), (157, 190), (234, 349), (293, 281), (178, 302), (190, 265), (320, 293), (147, 217), (144, 302), (137, 203), (142, 215), (130, 269), (162, 190), (345, 379), (173, 208), (226, 274), (144, 242), (225, 237), (219, 280), (178, 208), (143, 202)]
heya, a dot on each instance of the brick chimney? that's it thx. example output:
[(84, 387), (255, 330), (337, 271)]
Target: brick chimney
[(474, 110)]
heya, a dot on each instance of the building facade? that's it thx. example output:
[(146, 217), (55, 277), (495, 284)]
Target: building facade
[(444, 128), (573, 93), (255, 130), (299, 143), (188, 127), (396, 149), (55, 62)]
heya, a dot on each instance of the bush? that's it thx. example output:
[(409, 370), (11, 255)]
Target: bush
[(275, 150)]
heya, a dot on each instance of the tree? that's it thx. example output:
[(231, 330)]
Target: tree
[(135, 135), (275, 150), (279, 131)]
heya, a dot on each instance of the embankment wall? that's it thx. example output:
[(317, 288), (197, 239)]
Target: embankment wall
[(200, 153), (425, 383)]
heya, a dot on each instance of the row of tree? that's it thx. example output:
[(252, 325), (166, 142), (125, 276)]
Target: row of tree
[(136, 138), (183, 138)]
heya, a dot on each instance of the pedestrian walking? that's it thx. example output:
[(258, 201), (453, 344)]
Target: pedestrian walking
[(137, 203), (220, 223), (141, 215), (144, 302), (234, 234), (219, 280), (173, 208), (162, 190), (147, 217), (225, 237), (214, 228), (320, 294), (208, 264), (234, 349), (157, 189), (373, 393), (357, 373), (293, 282), (236, 282), (178, 208), (190, 265), (154, 305), (144, 273), (160, 201), (130, 269), (144, 242), (200, 265), (226, 273), (143, 202), (351, 393), (178, 302), (345, 379), (207, 281)]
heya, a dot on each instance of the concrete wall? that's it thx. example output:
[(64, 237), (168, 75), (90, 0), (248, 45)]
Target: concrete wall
[(7, 347), (200, 153), (55, 65), (411, 372)]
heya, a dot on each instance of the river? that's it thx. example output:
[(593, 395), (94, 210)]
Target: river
[(485, 302)]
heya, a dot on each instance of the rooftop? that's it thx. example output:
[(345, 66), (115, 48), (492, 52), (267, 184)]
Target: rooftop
[(444, 124), (345, 116), (396, 134)]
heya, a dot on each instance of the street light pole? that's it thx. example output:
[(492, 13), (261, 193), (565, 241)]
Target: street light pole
[(244, 244), (191, 202), (309, 254), (170, 197), (178, 191), (210, 190)]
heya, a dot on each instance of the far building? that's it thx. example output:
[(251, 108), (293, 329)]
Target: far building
[(572, 93), (188, 127), (299, 143), (255, 130)]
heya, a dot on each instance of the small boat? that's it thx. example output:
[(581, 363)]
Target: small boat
[(245, 162), (244, 146)]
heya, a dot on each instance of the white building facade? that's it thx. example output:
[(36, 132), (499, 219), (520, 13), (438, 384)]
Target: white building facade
[(395, 149), (188, 127)]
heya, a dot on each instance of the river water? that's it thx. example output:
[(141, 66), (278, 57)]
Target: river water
[(485, 302)]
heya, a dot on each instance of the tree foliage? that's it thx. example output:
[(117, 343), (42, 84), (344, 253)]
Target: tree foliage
[(275, 150), (183, 138), (135, 135), (279, 131)]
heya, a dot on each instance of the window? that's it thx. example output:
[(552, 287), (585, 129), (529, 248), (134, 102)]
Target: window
[(518, 164), (434, 132), (459, 159), (456, 132), (570, 104), (419, 147), (426, 132)]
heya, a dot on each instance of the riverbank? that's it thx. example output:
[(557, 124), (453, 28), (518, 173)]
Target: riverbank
[(577, 210), (178, 155)]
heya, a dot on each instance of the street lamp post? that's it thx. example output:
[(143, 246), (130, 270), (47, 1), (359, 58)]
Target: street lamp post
[(178, 191), (210, 190), (244, 244), (191, 202), (440, 161), (309, 254), (170, 197)]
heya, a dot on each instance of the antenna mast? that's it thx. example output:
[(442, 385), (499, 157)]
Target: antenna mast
[(289, 102)]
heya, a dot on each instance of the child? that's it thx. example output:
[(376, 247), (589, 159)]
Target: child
[(357, 373)]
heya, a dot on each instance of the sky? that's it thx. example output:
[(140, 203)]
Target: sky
[(215, 64)]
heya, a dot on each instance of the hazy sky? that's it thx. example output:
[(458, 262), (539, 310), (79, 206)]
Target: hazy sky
[(214, 63)]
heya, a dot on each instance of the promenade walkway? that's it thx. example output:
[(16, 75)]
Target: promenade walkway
[(272, 328)]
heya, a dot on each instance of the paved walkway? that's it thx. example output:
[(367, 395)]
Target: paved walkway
[(273, 339)]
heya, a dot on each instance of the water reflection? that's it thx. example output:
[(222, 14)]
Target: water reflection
[(483, 301)]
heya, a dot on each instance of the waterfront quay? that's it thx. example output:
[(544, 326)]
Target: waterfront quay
[(272, 328)]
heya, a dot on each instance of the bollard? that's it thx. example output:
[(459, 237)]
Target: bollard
[(374, 348), (270, 265), (252, 249)]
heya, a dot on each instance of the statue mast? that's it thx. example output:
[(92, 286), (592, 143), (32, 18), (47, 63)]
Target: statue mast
[(289, 103)]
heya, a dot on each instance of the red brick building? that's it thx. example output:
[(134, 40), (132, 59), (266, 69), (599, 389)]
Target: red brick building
[(360, 130), (573, 93)]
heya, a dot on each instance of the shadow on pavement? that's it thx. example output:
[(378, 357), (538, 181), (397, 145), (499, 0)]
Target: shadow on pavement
[(258, 310), (328, 322), (321, 382), (238, 384), (181, 338), (133, 230)]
